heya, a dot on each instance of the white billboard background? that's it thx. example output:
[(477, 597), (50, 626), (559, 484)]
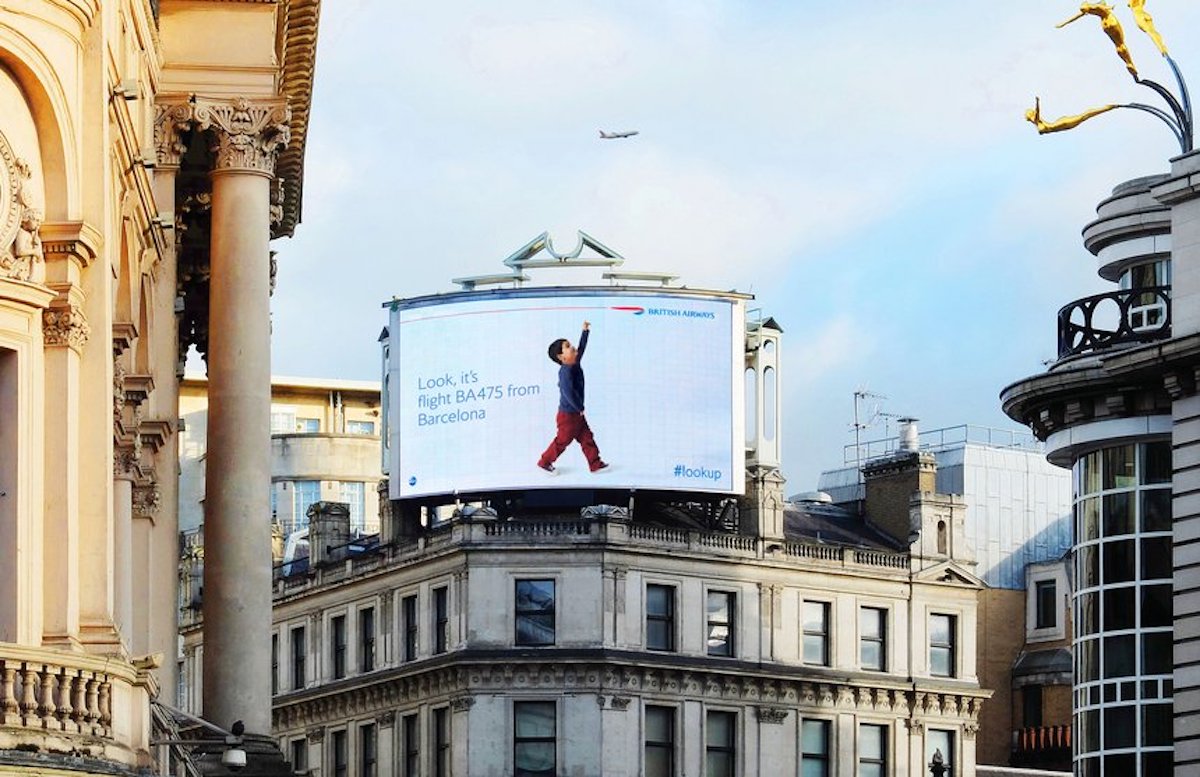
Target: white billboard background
[(475, 394)]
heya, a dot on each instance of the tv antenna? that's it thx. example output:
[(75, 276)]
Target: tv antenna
[(866, 416)]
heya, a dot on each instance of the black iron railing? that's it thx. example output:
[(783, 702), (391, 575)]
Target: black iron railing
[(1118, 317)]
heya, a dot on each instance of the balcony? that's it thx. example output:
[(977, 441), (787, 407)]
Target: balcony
[(1042, 747), (1117, 318)]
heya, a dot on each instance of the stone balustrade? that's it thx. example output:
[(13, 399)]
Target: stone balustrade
[(63, 700)]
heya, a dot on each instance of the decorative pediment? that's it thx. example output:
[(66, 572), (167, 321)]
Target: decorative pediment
[(950, 573)]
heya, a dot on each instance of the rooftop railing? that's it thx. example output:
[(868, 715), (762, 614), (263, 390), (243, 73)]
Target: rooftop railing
[(939, 439), (1115, 318)]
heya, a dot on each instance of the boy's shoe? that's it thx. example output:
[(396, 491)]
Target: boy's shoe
[(548, 468), (601, 467)]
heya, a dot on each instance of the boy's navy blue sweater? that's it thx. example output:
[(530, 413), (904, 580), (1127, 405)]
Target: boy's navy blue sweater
[(570, 381)]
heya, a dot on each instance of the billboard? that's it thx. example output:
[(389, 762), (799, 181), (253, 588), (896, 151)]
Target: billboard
[(654, 399)]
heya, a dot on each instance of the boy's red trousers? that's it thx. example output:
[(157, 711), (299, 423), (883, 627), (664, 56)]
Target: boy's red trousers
[(572, 427)]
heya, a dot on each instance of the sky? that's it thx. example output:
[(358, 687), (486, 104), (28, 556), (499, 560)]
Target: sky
[(863, 169)]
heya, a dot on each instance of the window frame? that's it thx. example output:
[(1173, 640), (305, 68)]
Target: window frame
[(366, 639), (1050, 610), (518, 740), (298, 753), (442, 740), (821, 637), (298, 639), (527, 612), (950, 647), (410, 615), (730, 750), (671, 644), (730, 624), (884, 742), (368, 749), (411, 746), (668, 745), (337, 646), (441, 618), (825, 758), (339, 753), (882, 640)]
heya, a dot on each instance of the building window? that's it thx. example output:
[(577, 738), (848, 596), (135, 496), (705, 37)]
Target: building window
[(872, 750), (339, 754), (274, 664), (941, 645), (337, 645), (366, 750), (299, 653), (354, 495), (299, 748), (441, 742), (1046, 604), (660, 617), (720, 744), (409, 606), (366, 639), (535, 612), (411, 747), (816, 633), (305, 493), (360, 427), (721, 614), (308, 425), (535, 739), (660, 742), (1031, 706), (283, 421), (814, 748), (441, 619), (940, 743), (872, 638)]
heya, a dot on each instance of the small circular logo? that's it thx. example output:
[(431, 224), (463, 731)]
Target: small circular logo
[(412, 481)]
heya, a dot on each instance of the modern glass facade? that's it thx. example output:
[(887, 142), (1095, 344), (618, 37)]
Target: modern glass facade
[(1123, 670)]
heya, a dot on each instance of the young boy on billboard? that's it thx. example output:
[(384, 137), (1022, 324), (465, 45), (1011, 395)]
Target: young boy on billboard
[(571, 424)]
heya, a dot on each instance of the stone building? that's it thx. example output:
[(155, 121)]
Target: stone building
[(562, 634), (142, 147), (324, 447)]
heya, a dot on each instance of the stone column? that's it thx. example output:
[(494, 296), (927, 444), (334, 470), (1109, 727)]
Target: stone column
[(124, 471), (237, 524)]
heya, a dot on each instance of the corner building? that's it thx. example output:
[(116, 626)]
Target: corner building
[(672, 634), (1118, 407)]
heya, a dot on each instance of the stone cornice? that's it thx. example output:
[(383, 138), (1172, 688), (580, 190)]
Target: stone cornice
[(75, 240), (615, 677), (248, 134), (299, 55)]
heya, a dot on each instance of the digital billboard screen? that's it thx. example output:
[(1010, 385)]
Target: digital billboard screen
[(648, 396)]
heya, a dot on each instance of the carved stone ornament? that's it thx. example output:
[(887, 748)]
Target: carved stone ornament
[(775, 715), (248, 135), (21, 255), (462, 703), (65, 326), (171, 120), (147, 500), (620, 702), (316, 735)]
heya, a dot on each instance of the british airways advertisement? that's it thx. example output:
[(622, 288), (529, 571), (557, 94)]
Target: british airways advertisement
[(539, 389)]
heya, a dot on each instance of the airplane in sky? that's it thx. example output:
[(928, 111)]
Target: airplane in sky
[(614, 135)]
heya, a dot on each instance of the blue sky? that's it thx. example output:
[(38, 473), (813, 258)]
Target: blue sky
[(863, 169)]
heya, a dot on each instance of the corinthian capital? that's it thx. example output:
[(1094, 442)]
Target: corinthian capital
[(171, 120), (65, 326), (248, 134)]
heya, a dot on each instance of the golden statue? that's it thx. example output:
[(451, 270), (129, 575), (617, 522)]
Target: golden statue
[(1034, 116), (1112, 28), (1145, 23)]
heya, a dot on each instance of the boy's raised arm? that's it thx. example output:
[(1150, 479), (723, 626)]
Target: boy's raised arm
[(583, 338)]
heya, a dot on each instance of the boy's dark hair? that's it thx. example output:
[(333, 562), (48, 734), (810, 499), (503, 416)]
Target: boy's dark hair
[(555, 349)]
